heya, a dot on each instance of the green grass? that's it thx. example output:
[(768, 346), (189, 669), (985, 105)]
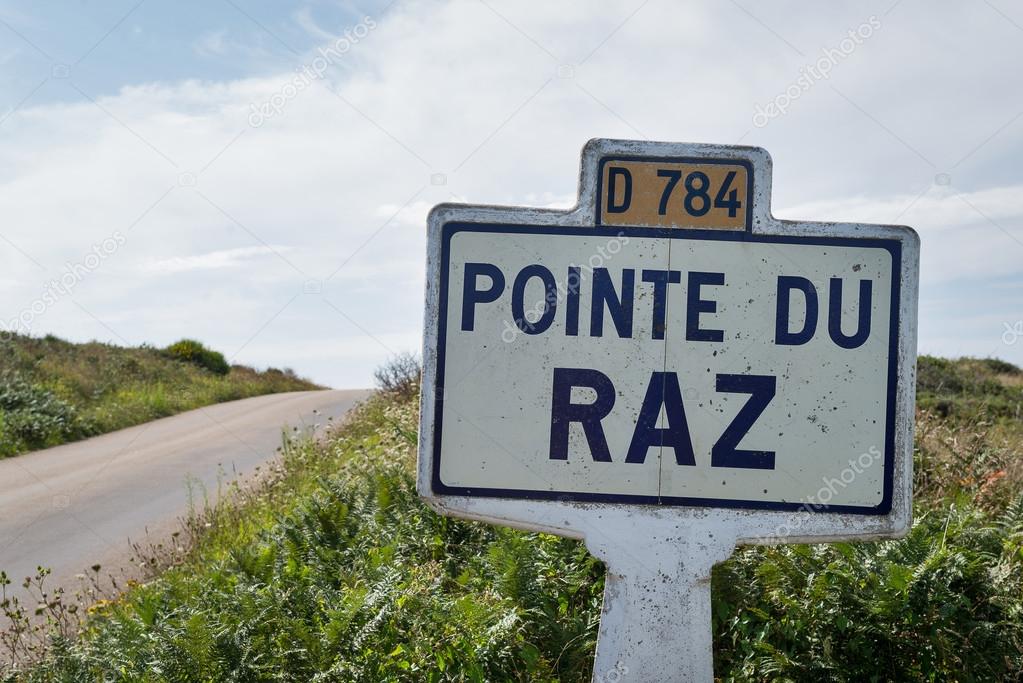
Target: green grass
[(334, 571), (53, 391)]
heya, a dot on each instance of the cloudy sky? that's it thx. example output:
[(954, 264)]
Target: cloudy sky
[(199, 169)]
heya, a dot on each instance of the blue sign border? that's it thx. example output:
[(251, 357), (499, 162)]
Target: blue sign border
[(893, 246)]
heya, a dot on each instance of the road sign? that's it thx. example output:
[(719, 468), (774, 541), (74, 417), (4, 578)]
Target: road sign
[(667, 371)]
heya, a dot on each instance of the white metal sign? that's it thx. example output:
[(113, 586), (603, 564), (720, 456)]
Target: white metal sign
[(666, 371)]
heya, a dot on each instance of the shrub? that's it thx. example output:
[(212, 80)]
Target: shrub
[(400, 375), (1000, 367), (191, 351), (32, 417), (969, 388), (942, 604)]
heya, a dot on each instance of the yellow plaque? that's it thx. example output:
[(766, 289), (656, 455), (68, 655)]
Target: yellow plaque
[(675, 193)]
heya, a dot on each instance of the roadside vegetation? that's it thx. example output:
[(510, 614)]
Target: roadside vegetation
[(53, 391), (332, 570)]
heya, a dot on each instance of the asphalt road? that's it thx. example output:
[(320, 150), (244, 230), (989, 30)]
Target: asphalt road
[(77, 505)]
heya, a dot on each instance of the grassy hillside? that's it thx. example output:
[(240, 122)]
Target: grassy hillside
[(53, 391), (334, 571)]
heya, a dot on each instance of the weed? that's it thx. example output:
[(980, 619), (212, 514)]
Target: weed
[(329, 568), (400, 375)]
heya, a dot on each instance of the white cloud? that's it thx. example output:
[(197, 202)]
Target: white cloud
[(965, 235), (412, 214), (452, 88), (549, 200), (214, 260)]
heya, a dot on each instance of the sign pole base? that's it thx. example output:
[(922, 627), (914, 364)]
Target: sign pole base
[(656, 621)]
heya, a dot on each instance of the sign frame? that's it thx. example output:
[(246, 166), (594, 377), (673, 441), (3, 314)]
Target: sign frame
[(643, 543)]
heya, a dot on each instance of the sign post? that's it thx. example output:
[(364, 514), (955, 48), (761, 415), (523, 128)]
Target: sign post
[(667, 371)]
